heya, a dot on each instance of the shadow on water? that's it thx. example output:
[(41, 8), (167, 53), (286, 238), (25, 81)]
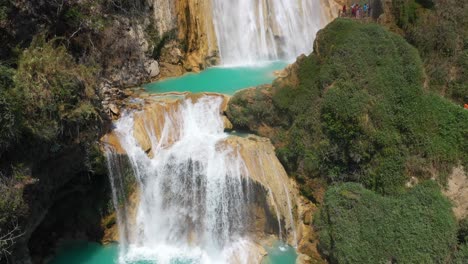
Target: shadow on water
[(83, 252)]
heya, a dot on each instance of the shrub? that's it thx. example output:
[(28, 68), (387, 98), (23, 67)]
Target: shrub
[(56, 93), (461, 255), (440, 34), (357, 225)]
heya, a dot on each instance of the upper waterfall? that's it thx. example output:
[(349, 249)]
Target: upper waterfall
[(249, 31)]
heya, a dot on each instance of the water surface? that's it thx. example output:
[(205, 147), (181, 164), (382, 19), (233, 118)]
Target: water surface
[(226, 80), (81, 252)]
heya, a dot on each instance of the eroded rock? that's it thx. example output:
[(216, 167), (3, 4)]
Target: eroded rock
[(457, 191)]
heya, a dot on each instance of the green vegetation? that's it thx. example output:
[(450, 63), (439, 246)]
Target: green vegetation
[(48, 97), (358, 226), (359, 116), (439, 30), (55, 92), (47, 105), (359, 113)]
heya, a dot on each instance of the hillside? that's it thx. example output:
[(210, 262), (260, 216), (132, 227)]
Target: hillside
[(356, 111)]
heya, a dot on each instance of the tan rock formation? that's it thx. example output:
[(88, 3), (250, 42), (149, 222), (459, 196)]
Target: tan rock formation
[(457, 191), (264, 168), (196, 29), (194, 45), (330, 9)]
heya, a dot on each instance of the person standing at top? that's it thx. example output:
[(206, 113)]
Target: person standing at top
[(344, 10), (364, 9)]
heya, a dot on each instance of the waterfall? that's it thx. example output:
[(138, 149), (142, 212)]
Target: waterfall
[(249, 31), (193, 190)]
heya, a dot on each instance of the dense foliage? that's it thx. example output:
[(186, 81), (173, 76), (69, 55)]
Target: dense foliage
[(439, 30), (357, 110), (417, 227), (359, 113), (48, 105), (49, 97)]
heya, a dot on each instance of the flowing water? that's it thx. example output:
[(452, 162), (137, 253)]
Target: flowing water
[(192, 196), (194, 190), (191, 193), (249, 31)]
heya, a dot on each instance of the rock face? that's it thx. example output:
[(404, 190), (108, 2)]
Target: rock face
[(195, 26), (186, 39)]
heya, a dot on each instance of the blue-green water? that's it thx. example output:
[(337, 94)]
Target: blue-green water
[(217, 79), (94, 253), (280, 253), (86, 253), (225, 80)]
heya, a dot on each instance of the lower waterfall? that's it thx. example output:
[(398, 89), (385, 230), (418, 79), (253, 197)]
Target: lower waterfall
[(193, 195)]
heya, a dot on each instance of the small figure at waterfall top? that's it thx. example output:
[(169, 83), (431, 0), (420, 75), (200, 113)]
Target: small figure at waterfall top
[(344, 10)]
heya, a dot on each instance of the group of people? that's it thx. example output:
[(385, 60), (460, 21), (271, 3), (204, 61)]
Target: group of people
[(357, 11)]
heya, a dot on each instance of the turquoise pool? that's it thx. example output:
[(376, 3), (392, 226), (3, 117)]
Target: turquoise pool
[(225, 80), (94, 253)]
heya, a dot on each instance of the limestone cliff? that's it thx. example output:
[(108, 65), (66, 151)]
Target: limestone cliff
[(186, 39)]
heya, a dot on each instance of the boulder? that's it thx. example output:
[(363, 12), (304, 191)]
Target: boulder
[(152, 68)]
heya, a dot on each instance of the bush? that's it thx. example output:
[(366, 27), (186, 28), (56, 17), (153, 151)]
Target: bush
[(358, 226), (404, 12), (55, 92), (461, 255), (440, 33)]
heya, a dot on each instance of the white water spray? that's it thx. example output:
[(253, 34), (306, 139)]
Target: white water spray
[(249, 31), (194, 190)]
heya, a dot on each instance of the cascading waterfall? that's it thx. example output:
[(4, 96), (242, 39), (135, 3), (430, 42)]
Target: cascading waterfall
[(249, 31), (194, 190)]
